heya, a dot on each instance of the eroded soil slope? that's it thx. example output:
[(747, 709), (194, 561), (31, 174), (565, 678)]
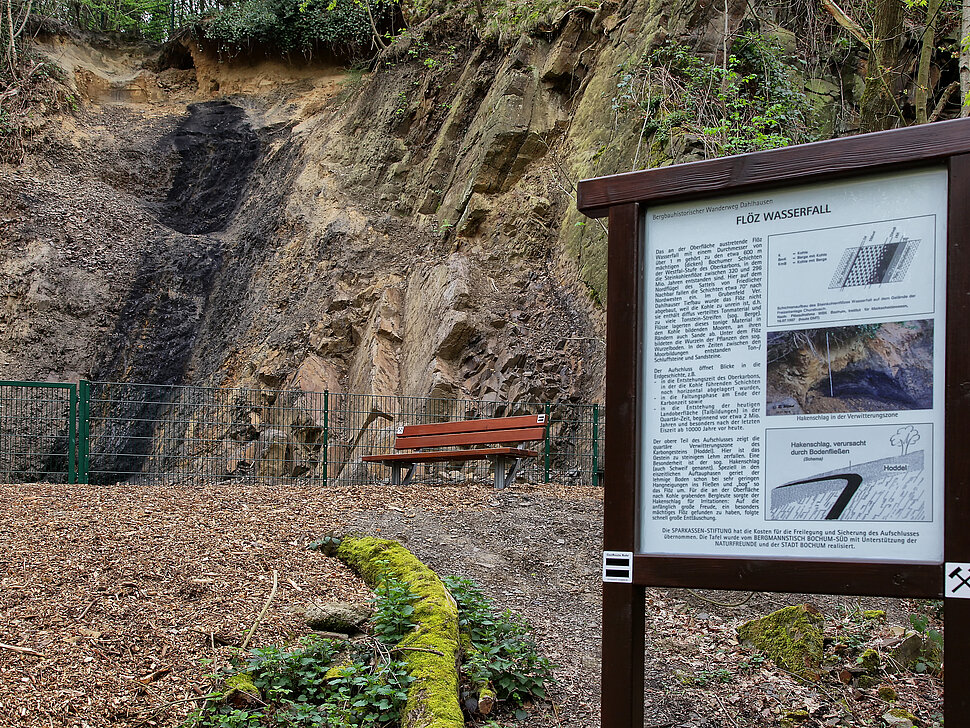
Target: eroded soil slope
[(246, 233)]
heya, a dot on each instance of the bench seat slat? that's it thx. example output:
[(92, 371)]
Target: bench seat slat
[(489, 425), (440, 457), (404, 442)]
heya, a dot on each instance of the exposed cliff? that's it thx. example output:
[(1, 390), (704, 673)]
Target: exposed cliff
[(405, 230)]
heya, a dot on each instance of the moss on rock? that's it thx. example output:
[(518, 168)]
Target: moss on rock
[(870, 661), (433, 696), (240, 691), (887, 693), (792, 637)]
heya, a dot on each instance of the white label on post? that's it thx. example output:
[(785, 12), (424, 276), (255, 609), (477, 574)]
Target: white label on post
[(957, 580), (618, 566)]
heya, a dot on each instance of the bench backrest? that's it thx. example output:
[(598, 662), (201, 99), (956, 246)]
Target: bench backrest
[(523, 428)]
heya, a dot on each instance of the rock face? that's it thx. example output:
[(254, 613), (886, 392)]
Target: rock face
[(217, 148), (408, 231), (864, 368)]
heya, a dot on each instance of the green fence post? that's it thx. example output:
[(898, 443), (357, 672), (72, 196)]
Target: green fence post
[(72, 441), (326, 432), (596, 442), (84, 430), (548, 443)]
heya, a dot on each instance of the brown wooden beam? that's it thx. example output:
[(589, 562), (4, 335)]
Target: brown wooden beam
[(819, 162), (623, 604), (796, 576), (956, 533)]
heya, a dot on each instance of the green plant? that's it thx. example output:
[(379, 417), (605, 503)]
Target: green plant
[(327, 544), (501, 651), (750, 102), (755, 661), (291, 675), (231, 718), (393, 611), (922, 624), (302, 687), (721, 675), (359, 696), (853, 632)]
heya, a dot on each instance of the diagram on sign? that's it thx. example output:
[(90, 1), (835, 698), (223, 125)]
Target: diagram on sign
[(875, 263), (893, 488), (852, 273)]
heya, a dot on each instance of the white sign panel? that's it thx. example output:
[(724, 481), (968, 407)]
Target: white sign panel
[(793, 371)]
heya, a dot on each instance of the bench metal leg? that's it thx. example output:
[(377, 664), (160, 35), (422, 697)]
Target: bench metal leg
[(396, 474), (502, 479), (499, 473)]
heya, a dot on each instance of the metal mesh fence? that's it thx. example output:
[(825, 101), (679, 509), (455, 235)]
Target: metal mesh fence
[(162, 433), (37, 432), (158, 433)]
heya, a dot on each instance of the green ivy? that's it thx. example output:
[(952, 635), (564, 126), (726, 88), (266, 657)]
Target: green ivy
[(291, 675), (360, 696), (303, 686), (502, 650), (393, 611)]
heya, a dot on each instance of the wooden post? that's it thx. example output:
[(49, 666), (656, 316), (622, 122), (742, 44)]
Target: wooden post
[(956, 535), (623, 604)]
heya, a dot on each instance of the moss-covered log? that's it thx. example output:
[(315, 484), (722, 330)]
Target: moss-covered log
[(433, 696)]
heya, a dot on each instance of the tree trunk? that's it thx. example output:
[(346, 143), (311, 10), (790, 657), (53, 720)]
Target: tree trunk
[(880, 109), (923, 90), (965, 59)]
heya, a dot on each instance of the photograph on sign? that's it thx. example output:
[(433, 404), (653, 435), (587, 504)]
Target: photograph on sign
[(852, 379), (793, 371)]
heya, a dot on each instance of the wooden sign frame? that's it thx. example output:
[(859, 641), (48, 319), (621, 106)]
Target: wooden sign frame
[(624, 199)]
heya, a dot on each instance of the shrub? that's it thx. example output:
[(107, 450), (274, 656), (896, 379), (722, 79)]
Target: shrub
[(303, 687), (301, 26)]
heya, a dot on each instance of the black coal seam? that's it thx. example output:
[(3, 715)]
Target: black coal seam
[(154, 338)]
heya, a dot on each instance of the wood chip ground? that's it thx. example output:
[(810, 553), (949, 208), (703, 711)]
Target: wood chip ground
[(117, 601)]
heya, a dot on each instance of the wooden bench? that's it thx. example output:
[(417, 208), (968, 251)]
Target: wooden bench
[(503, 435)]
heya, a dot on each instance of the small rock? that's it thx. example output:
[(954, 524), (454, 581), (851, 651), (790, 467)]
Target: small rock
[(899, 718), (887, 693), (869, 660), (345, 617), (792, 637)]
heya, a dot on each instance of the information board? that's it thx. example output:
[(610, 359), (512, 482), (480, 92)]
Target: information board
[(793, 353)]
